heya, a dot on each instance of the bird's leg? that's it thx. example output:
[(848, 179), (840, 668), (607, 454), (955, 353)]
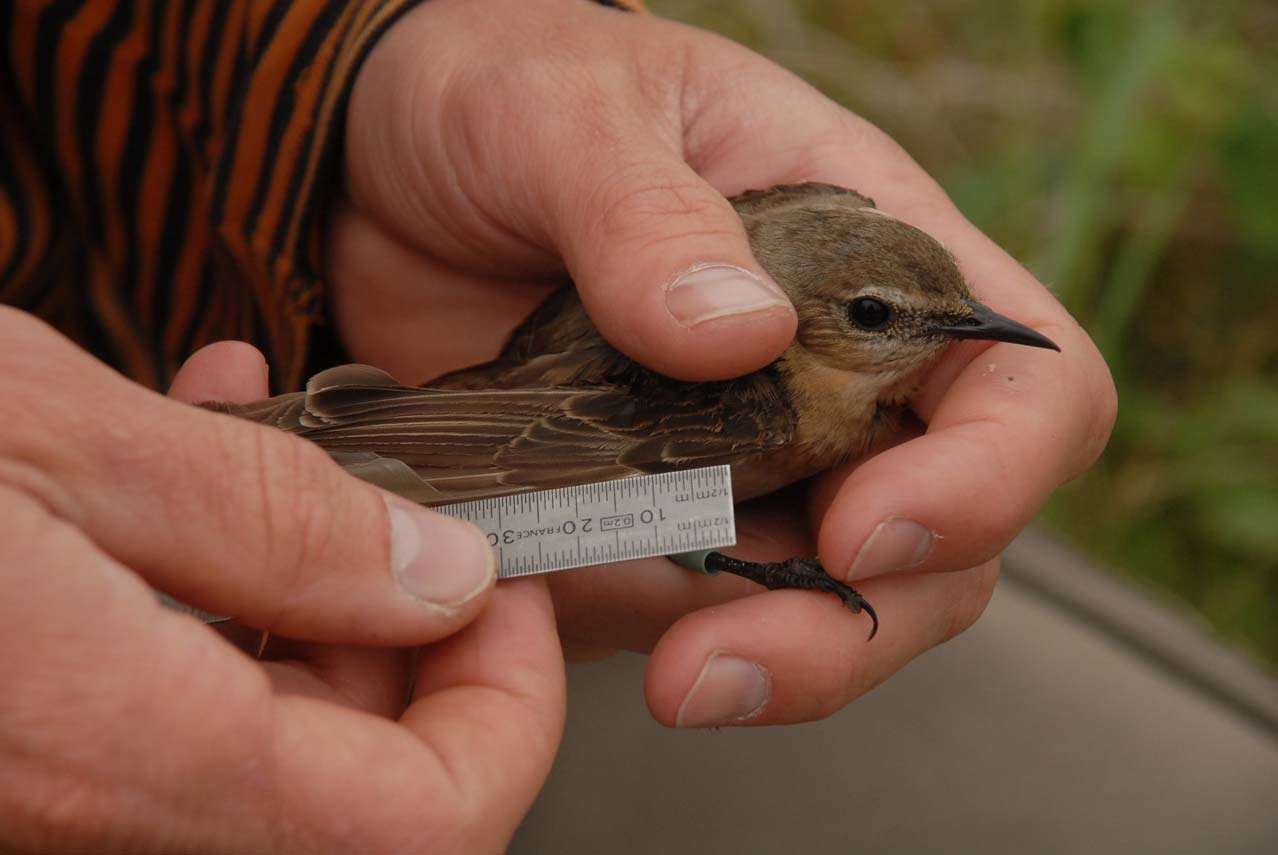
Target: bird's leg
[(806, 573)]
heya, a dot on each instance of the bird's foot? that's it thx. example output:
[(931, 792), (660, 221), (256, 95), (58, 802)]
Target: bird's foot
[(805, 573)]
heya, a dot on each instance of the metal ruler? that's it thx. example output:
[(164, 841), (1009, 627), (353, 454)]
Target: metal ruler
[(607, 521)]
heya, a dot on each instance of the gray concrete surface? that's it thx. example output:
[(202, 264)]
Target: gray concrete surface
[(1040, 730)]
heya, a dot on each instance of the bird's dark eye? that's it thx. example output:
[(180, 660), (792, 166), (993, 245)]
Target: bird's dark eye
[(869, 313)]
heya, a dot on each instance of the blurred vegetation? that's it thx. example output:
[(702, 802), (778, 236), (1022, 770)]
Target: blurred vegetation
[(1127, 153)]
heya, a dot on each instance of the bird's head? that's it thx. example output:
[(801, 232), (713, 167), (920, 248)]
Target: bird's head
[(873, 295)]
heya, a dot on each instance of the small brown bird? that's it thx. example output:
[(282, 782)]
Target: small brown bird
[(877, 300)]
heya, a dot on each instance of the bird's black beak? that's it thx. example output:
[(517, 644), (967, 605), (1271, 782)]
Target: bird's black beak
[(985, 323)]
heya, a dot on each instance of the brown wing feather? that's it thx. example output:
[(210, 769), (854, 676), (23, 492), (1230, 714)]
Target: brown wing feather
[(556, 346), (448, 445)]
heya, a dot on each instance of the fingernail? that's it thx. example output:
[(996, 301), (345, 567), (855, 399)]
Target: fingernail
[(897, 544), (710, 291), (436, 558), (729, 690)]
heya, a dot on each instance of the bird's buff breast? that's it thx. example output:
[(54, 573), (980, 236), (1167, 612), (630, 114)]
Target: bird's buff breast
[(835, 420)]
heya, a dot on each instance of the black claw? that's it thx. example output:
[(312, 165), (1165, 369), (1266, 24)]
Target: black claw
[(804, 573), (874, 618)]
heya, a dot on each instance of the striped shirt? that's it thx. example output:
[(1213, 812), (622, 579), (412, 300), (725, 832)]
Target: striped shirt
[(164, 166)]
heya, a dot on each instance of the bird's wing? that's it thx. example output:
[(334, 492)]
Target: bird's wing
[(556, 345), (448, 445)]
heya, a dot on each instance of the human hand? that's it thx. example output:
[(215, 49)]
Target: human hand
[(486, 141), (127, 726)]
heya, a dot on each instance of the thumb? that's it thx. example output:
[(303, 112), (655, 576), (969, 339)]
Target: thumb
[(488, 164), (664, 268), (235, 518)]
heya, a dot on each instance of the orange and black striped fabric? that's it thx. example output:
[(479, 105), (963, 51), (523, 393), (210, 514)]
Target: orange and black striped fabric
[(164, 165)]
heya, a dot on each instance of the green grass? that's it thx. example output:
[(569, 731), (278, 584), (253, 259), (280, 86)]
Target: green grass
[(1127, 153)]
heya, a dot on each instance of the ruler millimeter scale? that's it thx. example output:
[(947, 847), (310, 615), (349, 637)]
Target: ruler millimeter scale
[(641, 517)]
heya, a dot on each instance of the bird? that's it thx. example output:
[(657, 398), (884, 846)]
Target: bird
[(877, 301)]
